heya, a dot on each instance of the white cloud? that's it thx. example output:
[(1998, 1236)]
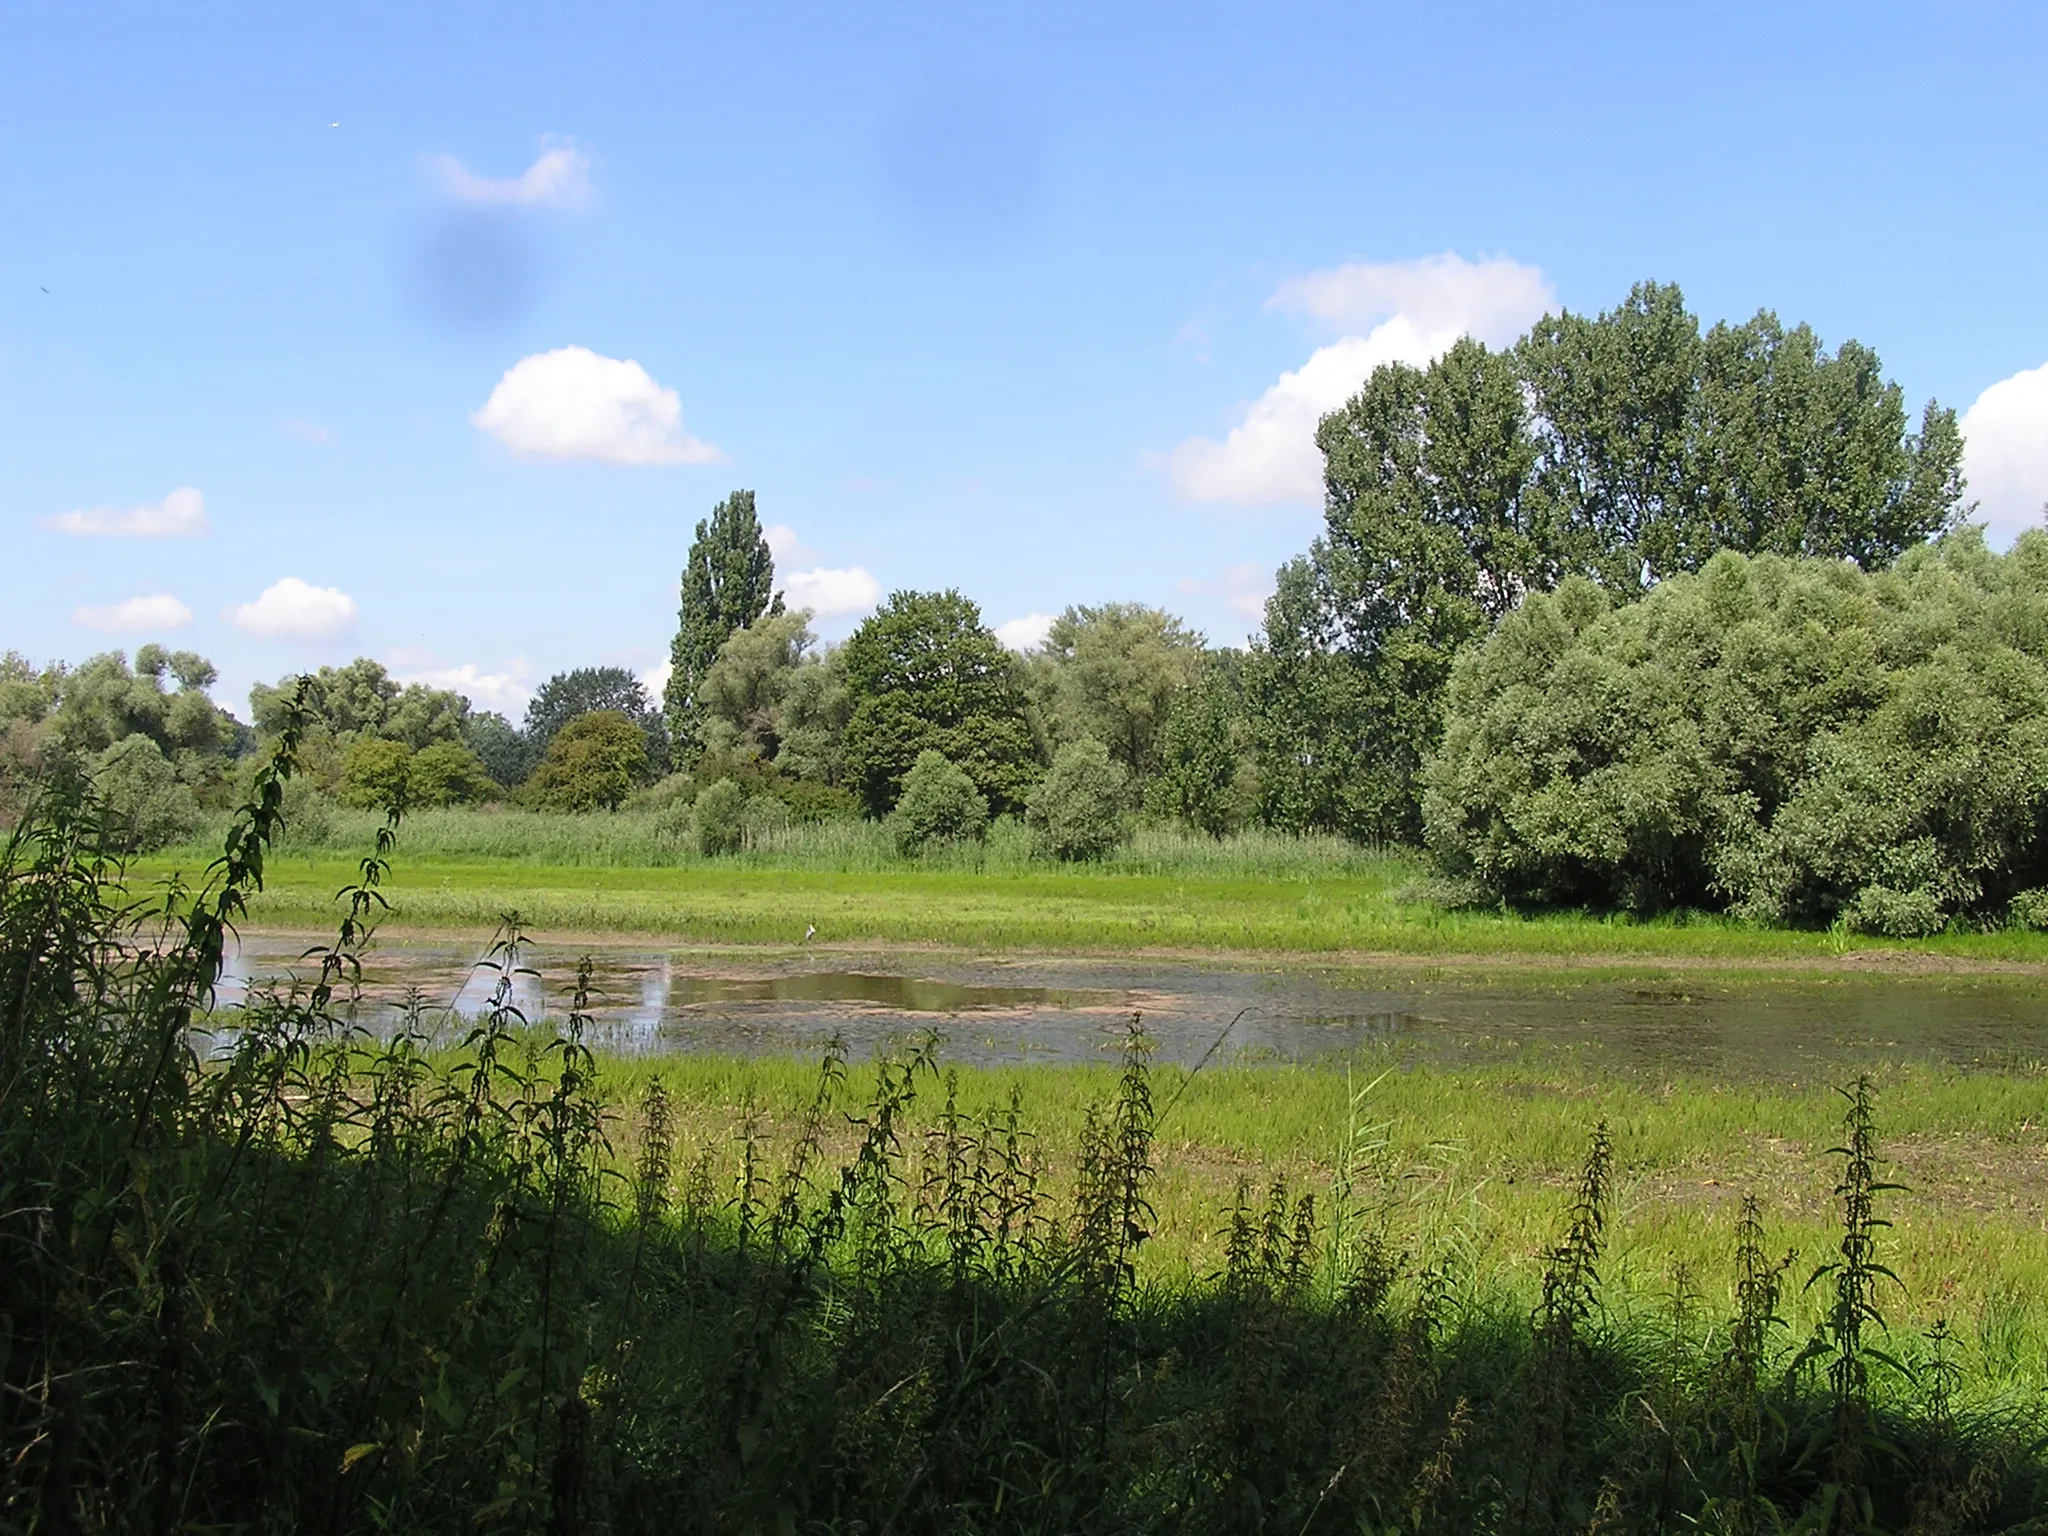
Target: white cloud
[(1405, 312), (2005, 453), (1243, 589), (832, 594), (573, 404), (295, 610), (655, 681), (558, 178), (786, 547), (1493, 300), (158, 612), (180, 515), (1027, 633), (506, 692)]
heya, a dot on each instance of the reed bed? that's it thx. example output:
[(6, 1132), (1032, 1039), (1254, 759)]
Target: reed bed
[(296, 1278)]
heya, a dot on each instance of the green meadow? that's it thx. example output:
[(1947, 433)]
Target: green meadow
[(462, 869)]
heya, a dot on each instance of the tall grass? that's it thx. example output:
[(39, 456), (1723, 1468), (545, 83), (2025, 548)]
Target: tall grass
[(643, 838), (310, 1280)]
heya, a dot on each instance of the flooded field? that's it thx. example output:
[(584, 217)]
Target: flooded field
[(1054, 1009)]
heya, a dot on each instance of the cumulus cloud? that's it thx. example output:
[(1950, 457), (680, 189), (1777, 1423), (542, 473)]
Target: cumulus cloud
[(1394, 312), (1027, 633), (292, 609), (558, 178), (787, 547), (655, 681), (506, 691), (572, 403), (832, 594), (1243, 589), (1493, 300), (160, 611), (180, 515), (2005, 453)]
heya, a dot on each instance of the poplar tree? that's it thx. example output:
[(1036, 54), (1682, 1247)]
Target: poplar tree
[(727, 584)]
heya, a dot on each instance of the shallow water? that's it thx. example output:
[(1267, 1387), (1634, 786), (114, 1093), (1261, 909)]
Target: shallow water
[(1005, 1009)]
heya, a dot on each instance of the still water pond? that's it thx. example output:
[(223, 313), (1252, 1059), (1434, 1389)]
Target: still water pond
[(1005, 1009)]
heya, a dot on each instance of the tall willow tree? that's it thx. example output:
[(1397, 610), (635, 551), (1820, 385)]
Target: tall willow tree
[(1624, 448), (727, 584)]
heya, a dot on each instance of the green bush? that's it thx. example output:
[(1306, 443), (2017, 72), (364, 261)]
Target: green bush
[(592, 763), (375, 772), (1793, 740), (1077, 810), (2029, 909), (718, 819), (762, 817), (448, 773), (147, 806), (939, 802)]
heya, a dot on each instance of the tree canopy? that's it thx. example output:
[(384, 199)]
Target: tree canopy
[(1624, 449), (363, 699), (591, 690), (1792, 739), (728, 582), (592, 763), (1110, 673), (926, 674)]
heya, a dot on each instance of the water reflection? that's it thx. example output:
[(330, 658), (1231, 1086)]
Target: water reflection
[(1013, 1009)]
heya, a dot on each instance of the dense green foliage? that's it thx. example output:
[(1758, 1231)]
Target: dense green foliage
[(1202, 762), (377, 772), (363, 700), (718, 817), (373, 773), (167, 752), (925, 674), (727, 584), (592, 763), (1625, 449), (1796, 740), (147, 805), (1078, 810), (1111, 674), (588, 691), (499, 746), (771, 708), (448, 773), (939, 804), (324, 1279)]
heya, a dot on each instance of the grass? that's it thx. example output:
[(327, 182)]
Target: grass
[(1489, 1156), (323, 1281), (1254, 892)]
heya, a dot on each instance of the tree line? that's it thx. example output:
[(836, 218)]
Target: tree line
[(1616, 460)]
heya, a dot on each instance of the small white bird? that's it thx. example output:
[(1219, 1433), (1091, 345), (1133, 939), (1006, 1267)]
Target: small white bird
[(810, 932)]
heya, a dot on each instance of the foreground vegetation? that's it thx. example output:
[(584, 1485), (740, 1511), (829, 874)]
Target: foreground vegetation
[(316, 1280)]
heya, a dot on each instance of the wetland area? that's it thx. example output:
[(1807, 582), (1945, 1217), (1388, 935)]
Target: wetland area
[(997, 1009)]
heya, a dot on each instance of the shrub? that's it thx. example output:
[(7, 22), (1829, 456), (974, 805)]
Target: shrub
[(1077, 810), (718, 819), (448, 773), (939, 801), (147, 807), (2029, 909), (763, 816), (592, 763), (375, 772), (1790, 739)]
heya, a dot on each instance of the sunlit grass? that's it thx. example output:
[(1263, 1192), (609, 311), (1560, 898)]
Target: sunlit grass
[(1483, 1160), (1217, 898)]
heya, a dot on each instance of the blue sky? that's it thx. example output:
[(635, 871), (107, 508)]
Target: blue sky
[(334, 353)]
